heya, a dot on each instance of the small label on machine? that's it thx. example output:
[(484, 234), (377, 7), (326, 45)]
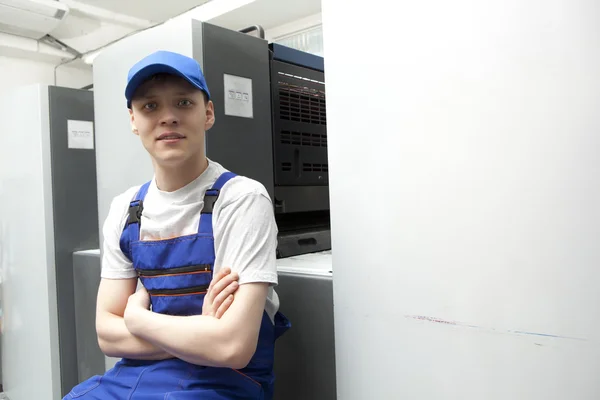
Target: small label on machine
[(238, 96), (80, 134)]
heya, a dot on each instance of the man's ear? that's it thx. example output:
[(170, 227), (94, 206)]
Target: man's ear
[(210, 115), (132, 120)]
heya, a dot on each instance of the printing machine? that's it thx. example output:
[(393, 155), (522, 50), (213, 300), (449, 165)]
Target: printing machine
[(49, 210), (281, 142), (300, 151)]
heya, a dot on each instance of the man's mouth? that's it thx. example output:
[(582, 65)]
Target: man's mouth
[(170, 136)]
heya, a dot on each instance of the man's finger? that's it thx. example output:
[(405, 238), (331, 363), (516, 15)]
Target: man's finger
[(216, 278), (223, 283), (225, 306), (220, 298), (220, 275)]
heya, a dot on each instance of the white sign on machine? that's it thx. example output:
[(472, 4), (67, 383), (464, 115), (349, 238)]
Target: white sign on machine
[(80, 134), (238, 96)]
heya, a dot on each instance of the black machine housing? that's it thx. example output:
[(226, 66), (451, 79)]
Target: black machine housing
[(300, 161), (271, 126)]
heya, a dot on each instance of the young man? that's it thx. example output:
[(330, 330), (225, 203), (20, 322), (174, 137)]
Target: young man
[(193, 224)]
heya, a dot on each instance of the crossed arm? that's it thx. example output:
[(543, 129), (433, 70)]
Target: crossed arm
[(224, 336)]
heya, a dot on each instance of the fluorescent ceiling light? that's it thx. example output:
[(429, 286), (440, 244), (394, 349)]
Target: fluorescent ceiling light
[(90, 57), (215, 8)]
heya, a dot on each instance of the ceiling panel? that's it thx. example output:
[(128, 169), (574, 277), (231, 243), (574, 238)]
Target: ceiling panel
[(84, 31), (153, 10), (86, 34), (268, 13)]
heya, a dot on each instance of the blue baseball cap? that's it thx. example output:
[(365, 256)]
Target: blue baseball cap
[(165, 62)]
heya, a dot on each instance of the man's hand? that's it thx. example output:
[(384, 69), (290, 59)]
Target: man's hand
[(217, 300), (140, 299), (219, 296), (137, 302)]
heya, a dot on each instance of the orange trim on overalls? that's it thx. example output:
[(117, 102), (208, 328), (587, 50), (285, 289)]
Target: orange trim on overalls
[(180, 274), (244, 375)]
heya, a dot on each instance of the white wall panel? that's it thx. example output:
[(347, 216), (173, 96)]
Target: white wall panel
[(464, 162)]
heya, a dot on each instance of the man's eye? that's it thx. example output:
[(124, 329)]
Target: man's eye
[(150, 106), (185, 103)]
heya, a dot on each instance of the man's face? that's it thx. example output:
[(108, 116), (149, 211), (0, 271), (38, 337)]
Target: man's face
[(171, 116)]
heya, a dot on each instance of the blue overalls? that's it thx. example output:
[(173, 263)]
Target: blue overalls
[(177, 272)]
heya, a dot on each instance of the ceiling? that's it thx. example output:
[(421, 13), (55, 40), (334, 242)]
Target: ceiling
[(93, 24), (267, 13), (156, 11)]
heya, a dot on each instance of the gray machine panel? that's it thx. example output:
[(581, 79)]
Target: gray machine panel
[(305, 355), (241, 143), (86, 272), (75, 212)]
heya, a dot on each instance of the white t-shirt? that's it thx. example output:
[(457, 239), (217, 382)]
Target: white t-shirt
[(244, 227)]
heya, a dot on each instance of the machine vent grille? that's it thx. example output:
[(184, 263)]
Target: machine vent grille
[(303, 139), (306, 167), (286, 166), (301, 104)]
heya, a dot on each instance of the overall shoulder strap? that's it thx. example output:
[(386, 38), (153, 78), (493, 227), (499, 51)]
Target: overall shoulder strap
[(131, 231), (210, 198)]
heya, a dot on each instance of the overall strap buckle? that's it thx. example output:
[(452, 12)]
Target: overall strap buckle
[(210, 198), (135, 212), (212, 195)]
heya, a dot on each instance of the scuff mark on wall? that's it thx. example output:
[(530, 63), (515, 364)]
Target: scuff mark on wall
[(505, 331)]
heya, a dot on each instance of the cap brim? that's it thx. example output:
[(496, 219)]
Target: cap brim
[(148, 71)]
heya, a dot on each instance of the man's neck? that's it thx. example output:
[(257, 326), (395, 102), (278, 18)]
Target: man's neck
[(172, 179)]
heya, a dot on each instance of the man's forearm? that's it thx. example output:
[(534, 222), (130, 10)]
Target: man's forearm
[(196, 339), (229, 341), (116, 340)]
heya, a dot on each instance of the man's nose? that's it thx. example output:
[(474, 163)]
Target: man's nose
[(168, 117)]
